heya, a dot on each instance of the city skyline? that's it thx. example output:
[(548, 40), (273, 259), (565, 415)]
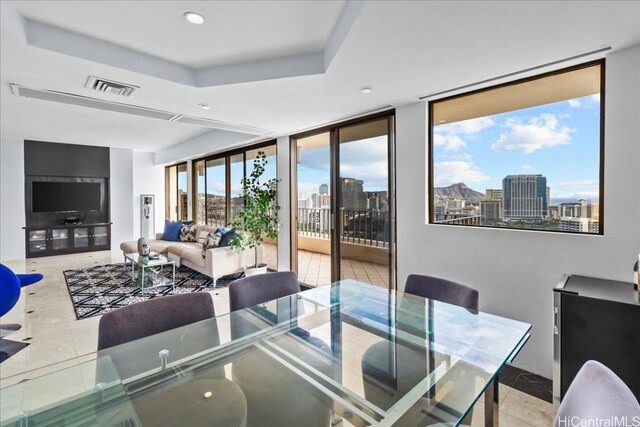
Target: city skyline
[(559, 140)]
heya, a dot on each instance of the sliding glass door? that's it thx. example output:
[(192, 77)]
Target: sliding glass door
[(313, 213), (344, 215), (177, 203)]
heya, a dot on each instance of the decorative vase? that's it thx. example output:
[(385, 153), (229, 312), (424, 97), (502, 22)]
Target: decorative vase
[(253, 271), (141, 243)]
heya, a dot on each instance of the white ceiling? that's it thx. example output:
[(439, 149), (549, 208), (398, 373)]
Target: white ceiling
[(402, 49)]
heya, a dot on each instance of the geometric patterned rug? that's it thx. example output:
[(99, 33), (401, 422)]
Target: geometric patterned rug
[(99, 289)]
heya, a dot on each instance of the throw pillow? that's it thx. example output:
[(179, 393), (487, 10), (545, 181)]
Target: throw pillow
[(228, 236), (188, 232), (202, 235), (211, 241), (172, 230)]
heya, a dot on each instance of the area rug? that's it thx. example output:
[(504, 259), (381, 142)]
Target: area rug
[(99, 289)]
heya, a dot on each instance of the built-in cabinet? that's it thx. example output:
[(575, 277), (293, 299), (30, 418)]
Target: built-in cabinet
[(56, 240)]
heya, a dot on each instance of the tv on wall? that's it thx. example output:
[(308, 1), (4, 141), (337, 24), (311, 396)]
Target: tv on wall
[(48, 196)]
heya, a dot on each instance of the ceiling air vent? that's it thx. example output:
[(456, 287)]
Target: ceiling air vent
[(109, 86)]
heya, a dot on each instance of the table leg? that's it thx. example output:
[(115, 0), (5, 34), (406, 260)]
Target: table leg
[(142, 282), (491, 404)]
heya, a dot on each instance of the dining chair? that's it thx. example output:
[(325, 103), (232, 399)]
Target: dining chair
[(597, 393), (267, 384), (162, 323), (253, 290), (442, 290), (389, 369), (153, 316)]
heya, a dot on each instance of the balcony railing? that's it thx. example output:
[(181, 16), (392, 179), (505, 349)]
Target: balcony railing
[(362, 227)]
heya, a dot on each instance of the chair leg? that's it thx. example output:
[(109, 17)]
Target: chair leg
[(8, 329)]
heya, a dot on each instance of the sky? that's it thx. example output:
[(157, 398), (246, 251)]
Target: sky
[(364, 159), (560, 141)]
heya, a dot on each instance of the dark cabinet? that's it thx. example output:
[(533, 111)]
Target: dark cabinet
[(47, 241), (595, 319)]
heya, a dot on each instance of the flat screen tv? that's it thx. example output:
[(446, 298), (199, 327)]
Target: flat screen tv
[(47, 196)]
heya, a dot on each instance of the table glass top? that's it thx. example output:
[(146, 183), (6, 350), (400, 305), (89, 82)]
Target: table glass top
[(348, 351), (139, 259)]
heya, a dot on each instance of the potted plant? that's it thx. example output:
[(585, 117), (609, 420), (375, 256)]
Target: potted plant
[(259, 218)]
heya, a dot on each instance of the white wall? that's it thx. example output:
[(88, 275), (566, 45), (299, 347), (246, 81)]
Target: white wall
[(12, 217), (121, 196), (515, 271), (147, 179), (209, 142)]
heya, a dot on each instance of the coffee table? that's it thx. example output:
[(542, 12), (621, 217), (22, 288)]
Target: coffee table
[(155, 265)]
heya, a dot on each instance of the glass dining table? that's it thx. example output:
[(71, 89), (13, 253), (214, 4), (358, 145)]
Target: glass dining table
[(349, 354)]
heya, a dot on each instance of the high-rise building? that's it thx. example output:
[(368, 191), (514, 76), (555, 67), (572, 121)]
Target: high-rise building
[(352, 194), (579, 209), (324, 189), (491, 209), (580, 225), (525, 197), (492, 194), (595, 210)]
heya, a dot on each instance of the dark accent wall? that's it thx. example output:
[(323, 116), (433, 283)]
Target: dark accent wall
[(48, 161), (70, 160)]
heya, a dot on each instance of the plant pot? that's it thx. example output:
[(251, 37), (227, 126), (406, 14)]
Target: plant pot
[(252, 271)]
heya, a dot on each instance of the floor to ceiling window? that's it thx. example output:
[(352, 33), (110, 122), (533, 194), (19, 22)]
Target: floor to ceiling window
[(217, 193), (177, 206)]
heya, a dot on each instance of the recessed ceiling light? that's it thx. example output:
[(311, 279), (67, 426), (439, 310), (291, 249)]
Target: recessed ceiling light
[(205, 106), (207, 395), (442, 121), (194, 18), (366, 89)]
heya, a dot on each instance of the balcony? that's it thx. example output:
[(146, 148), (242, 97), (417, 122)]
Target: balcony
[(364, 246)]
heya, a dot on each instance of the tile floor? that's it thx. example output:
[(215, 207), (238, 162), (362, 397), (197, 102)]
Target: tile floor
[(59, 340), (314, 269)]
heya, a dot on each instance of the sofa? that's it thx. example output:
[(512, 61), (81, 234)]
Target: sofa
[(217, 262)]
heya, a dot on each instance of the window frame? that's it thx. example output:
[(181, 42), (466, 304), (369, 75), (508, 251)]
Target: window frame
[(226, 155), (430, 155), (167, 198)]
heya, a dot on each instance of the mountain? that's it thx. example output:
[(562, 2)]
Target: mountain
[(459, 191)]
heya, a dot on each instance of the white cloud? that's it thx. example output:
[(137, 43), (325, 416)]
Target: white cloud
[(309, 187), (465, 157), (579, 183), (543, 131), (447, 173), (586, 195), (579, 189), (467, 127), (595, 98), (527, 168), (449, 142), (574, 103)]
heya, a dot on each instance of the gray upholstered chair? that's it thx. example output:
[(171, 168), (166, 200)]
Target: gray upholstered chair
[(253, 290), (165, 323), (384, 384), (597, 393), (267, 384), (153, 316), (442, 290)]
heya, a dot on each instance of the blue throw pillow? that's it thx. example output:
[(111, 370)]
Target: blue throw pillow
[(227, 236), (172, 230)]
